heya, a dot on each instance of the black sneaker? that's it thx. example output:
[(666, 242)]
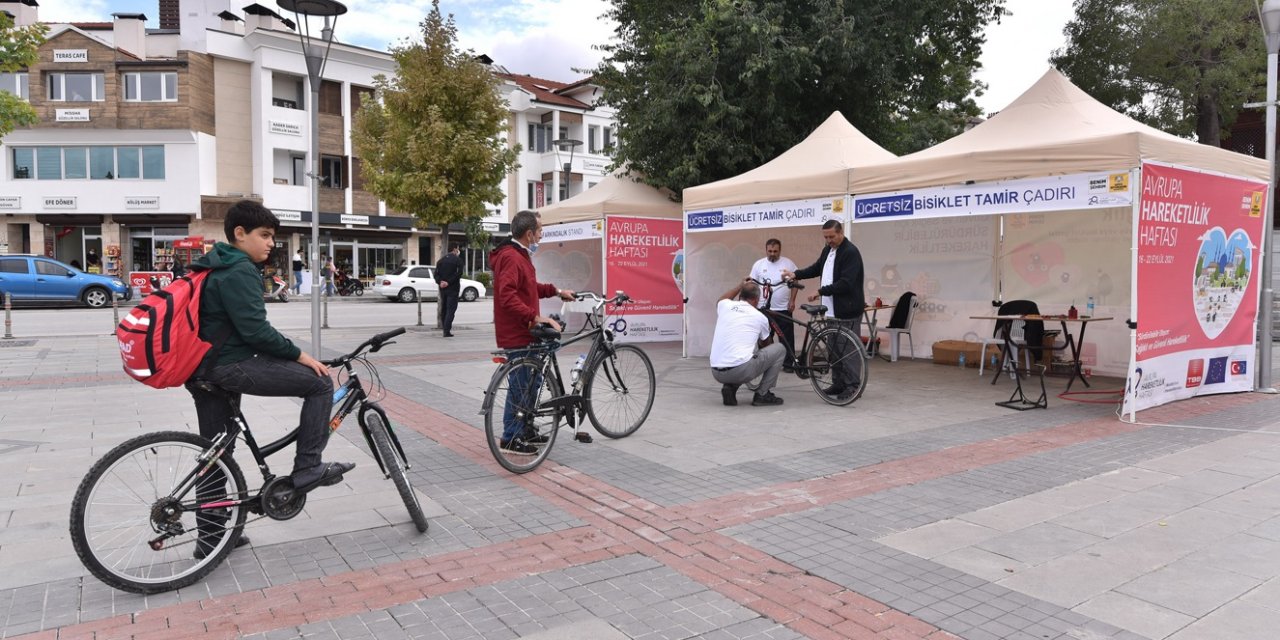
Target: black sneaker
[(835, 391), (765, 400), (730, 394), (786, 368), (200, 552), (518, 447), (533, 437)]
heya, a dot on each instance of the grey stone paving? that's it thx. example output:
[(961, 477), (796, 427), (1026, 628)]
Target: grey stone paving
[(633, 596)]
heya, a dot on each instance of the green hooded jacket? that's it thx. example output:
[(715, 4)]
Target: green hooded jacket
[(233, 297)]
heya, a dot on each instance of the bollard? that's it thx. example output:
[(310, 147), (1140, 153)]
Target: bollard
[(325, 315), (418, 296), (115, 312), (8, 315)]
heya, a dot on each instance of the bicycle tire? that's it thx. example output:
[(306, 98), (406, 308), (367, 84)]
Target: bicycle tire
[(171, 452), (375, 422), (543, 423), (848, 347), (622, 383)]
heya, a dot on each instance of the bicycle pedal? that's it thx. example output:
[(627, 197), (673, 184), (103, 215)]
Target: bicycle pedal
[(583, 437)]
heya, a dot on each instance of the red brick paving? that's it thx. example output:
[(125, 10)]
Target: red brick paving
[(683, 538)]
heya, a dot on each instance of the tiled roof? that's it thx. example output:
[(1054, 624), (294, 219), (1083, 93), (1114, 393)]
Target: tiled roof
[(544, 90)]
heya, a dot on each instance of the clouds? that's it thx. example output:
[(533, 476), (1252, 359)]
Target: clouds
[(76, 10)]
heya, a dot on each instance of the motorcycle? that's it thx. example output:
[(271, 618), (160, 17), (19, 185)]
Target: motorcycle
[(276, 289)]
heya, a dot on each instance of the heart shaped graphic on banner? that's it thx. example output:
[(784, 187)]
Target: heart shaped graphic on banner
[(1223, 267), (1032, 262)]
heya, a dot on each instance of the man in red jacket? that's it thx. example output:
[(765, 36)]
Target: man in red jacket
[(516, 292)]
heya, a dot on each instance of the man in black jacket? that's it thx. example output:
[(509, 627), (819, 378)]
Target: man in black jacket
[(448, 272), (840, 267)]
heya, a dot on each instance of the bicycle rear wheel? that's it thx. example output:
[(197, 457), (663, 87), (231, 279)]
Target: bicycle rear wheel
[(375, 423), (123, 503), (619, 391), (515, 397), (837, 365)]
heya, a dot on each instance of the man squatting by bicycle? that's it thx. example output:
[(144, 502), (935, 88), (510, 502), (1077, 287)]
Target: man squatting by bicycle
[(736, 355), (841, 290), (515, 312), (250, 356)]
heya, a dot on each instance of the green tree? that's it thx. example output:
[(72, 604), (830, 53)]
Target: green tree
[(1183, 66), (431, 142), (18, 50), (708, 89)]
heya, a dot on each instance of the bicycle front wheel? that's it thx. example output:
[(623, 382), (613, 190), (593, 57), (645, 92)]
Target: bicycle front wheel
[(124, 503), (619, 391), (837, 365), (394, 465), (519, 429)]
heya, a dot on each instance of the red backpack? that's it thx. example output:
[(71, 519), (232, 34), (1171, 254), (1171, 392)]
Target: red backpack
[(160, 339)]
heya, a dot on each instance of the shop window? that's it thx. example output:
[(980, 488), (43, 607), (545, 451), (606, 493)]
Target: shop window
[(49, 163), (15, 83), (24, 163), (151, 86), (76, 87)]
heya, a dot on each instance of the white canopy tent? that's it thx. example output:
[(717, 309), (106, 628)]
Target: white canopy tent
[(1065, 174), (727, 222), (572, 253)]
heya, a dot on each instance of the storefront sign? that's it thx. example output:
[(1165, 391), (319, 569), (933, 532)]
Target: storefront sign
[(1198, 256), (645, 258), (288, 216), (142, 202), (284, 128), (769, 214), (141, 280), (10, 202), (60, 202), (1056, 193), (594, 165), (573, 231), (71, 115), (350, 219), (491, 227), (70, 55)]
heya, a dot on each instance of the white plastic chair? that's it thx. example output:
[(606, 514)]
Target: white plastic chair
[(896, 333), (1016, 334)]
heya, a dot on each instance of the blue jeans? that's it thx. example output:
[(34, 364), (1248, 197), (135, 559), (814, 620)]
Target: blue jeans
[(271, 377), (297, 282), (522, 395)]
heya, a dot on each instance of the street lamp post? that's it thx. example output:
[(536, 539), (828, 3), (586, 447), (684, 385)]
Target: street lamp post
[(568, 145), (316, 57), (1270, 22)]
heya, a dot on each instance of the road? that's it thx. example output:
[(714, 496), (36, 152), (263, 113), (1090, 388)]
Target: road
[(292, 317)]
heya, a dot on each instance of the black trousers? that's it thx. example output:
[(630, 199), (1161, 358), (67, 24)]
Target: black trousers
[(449, 306), (787, 333)]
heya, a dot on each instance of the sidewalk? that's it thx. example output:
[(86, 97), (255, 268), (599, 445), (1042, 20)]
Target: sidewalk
[(922, 511)]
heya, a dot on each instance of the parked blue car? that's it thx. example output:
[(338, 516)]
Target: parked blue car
[(44, 280)]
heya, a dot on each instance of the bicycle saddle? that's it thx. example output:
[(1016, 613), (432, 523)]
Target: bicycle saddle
[(815, 309), (544, 332)]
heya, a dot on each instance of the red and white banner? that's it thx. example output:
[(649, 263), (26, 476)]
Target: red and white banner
[(644, 257), (1199, 240)]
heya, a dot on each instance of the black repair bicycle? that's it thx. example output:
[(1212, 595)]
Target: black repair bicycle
[(831, 356), (136, 516), (612, 385)]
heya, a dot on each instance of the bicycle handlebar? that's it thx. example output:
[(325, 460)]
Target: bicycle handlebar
[(372, 344), (791, 284)]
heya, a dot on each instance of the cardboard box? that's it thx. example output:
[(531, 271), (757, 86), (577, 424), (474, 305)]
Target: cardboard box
[(948, 352)]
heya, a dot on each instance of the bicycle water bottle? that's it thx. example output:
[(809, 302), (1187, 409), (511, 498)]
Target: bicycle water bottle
[(340, 393), (1090, 306), (577, 368), (961, 359)]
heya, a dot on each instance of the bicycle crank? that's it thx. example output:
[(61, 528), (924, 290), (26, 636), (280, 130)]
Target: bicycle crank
[(280, 501)]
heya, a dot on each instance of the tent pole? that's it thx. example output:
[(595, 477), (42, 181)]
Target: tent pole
[(1131, 390), (1264, 252)]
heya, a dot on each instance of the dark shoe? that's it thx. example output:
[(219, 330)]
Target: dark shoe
[(534, 438), (786, 368), (835, 391), (765, 400), (325, 474), (200, 553), (518, 447), (448, 335), (730, 394)]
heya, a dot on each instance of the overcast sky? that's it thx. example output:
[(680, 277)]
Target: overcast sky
[(550, 38)]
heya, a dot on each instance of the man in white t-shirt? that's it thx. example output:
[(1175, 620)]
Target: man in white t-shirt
[(770, 269), (736, 356)]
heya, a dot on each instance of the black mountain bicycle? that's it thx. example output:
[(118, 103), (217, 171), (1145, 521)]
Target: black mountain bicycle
[(831, 356), (134, 517), (612, 385)]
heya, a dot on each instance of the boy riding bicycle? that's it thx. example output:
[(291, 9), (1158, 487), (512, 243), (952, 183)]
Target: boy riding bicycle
[(250, 356)]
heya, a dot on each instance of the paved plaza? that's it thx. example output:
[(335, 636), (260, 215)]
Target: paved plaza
[(922, 511)]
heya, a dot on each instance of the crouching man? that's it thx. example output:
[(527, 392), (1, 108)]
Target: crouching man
[(736, 356)]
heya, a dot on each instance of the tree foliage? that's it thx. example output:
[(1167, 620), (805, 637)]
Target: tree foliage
[(18, 50), (1184, 66), (707, 89), (431, 141)]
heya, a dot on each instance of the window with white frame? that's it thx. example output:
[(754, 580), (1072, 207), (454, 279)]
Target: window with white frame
[(77, 87), (151, 86), (608, 140), (15, 83), (539, 138), (88, 163), (593, 138)]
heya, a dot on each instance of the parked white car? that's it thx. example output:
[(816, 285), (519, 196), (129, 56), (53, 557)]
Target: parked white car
[(404, 283)]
